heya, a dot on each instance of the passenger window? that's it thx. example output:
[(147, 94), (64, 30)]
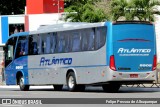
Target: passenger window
[(43, 43), (91, 36), (67, 42), (61, 42), (100, 37), (84, 40), (53, 42), (76, 42), (33, 45), (22, 46), (39, 44), (48, 43)]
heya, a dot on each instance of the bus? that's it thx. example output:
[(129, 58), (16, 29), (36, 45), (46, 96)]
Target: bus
[(106, 54)]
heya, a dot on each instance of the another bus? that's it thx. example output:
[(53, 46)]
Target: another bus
[(108, 54)]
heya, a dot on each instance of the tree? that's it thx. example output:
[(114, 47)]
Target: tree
[(85, 11), (146, 9), (120, 10), (143, 10), (105, 6), (12, 7)]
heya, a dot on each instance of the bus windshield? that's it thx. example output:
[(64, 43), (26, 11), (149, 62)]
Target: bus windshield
[(130, 32)]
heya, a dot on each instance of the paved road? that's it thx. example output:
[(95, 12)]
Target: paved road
[(91, 92)]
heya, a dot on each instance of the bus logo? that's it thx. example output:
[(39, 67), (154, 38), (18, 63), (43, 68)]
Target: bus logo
[(55, 61), (133, 50)]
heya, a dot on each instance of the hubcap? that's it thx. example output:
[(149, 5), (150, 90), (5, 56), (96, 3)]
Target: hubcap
[(21, 82), (71, 82)]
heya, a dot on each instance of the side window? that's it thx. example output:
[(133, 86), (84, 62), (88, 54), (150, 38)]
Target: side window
[(84, 40), (9, 50), (76, 41), (45, 43), (33, 45), (100, 37), (53, 42), (91, 36), (61, 42), (22, 46), (39, 43), (67, 41), (48, 43)]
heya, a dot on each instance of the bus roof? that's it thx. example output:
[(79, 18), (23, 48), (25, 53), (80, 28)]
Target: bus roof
[(19, 34), (66, 26), (59, 27), (71, 26)]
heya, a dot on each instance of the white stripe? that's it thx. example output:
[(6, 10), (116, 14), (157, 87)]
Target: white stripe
[(11, 105), (31, 87), (10, 95)]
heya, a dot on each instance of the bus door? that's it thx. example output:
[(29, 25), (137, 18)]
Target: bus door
[(9, 57), (134, 47)]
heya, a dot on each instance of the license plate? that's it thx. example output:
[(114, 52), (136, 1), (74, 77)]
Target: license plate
[(133, 75)]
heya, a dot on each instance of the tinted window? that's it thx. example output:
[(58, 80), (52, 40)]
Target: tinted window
[(33, 45), (67, 42), (91, 34), (9, 50), (61, 42), (100, 37), (44, 39), (48, 43), (53, 42), (76, 41), (84, 40), (130, 32), (22, 46)]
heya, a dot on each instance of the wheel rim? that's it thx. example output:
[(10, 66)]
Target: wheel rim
[(71, 82), (21, 82)]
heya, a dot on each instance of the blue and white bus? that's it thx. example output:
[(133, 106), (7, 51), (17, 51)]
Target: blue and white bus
[(79, 54)]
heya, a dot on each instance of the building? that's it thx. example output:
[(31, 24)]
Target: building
[(37, 13)]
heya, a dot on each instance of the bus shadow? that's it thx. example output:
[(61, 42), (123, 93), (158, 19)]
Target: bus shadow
[(138, 90), (100, 90)]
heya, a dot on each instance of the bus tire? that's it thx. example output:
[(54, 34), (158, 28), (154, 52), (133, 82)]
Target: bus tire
[(111, 88), (21, 84), (71, 82), (58, 87)]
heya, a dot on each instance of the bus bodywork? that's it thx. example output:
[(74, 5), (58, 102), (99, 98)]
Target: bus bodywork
[(128, 55)]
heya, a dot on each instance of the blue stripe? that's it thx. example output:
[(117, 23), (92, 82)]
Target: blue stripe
[(84, 66), (90, 66), (109, 41), (5, 29)]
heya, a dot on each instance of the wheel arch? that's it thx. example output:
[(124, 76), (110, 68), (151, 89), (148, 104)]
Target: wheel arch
[(71, 70), (18, 75)]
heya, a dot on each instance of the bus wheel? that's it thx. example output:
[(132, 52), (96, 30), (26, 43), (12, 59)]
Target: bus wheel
[(111, 88), (21, 84), (58, 87), (71, 82)]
